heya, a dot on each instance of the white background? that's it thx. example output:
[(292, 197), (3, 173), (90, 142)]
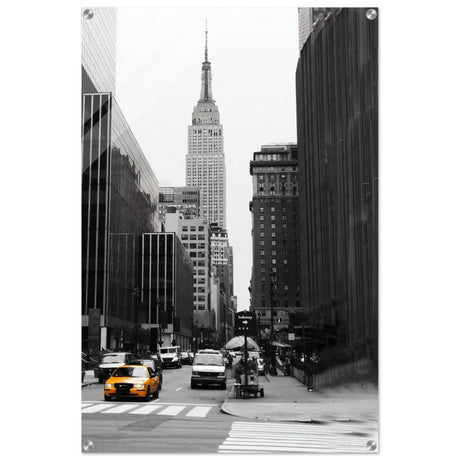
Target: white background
[(419, 230)]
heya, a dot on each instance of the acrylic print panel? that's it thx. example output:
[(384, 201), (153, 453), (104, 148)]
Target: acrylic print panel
[(230, 164)]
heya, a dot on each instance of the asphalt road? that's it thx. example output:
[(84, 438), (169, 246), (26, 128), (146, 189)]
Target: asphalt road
[(183, 420), (180, 420)]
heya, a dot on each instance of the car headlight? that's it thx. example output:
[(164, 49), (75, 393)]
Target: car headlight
[(108, 385), (195, 374), (175, 358), (139, 385)]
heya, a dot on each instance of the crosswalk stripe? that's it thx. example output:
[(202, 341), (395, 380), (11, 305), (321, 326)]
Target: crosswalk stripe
[(146, 409), (119, 409), (171, 410), (199, 412), (136, 409), (250, 437), (96, 408)]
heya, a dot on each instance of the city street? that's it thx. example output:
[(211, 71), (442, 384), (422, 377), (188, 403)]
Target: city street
[(201, 420)]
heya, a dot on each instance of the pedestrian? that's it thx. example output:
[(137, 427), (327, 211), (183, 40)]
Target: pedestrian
[(238, 371), (287, 366), (230, 360)]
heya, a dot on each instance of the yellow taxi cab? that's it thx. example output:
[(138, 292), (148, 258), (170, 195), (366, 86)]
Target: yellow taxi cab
[(132, 381)]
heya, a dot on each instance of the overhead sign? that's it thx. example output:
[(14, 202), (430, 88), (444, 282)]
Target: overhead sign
[(245, 323)]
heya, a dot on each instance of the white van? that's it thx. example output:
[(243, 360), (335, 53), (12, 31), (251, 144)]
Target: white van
[(170, 357), (208, 369)]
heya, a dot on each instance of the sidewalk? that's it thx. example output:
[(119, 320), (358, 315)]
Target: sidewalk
[(287, 399), (89, 379)]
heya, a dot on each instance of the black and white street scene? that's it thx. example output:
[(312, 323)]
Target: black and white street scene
[(230, 229)]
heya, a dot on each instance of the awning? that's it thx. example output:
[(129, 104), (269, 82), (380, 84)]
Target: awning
[(238, 342), (281, 345)]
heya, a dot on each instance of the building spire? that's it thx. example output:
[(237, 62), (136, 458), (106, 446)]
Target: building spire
[(206, 45), (206, 91)]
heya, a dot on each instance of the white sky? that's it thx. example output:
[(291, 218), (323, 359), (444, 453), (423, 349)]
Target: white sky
[(253, 54)]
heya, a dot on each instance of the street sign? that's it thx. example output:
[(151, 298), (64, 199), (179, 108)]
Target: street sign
[(245, 323)]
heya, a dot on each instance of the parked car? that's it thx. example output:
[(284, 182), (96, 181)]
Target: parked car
[(170, 357), (132, 381), (208, 369), (109, 362), (209, 351), (154, 364), (185, 357), (191, 356)]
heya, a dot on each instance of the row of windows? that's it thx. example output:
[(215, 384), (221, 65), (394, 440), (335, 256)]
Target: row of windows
[(192, 228), (283, 209), (185, 236), (274, 243), (195, 245), (273, 234), (285, 262)]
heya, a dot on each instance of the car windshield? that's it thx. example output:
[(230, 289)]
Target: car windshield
[(208, 360), (168, 350), (113, 359), (131, 372)]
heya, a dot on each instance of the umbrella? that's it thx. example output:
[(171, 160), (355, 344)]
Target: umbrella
[(281, 345), (238, 342)]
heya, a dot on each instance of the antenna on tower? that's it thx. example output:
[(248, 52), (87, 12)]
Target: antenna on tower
[(206, 46)]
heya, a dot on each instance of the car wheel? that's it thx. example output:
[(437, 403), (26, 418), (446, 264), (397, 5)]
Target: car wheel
[(107, 398), (160, 384), (223, 386), (193, 385), (147, 395), (156, 394), (261, 392), (100, 379)]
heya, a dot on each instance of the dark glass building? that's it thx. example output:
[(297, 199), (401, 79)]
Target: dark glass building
[(119, 195), (337, 129), (275, 283), (119, 203), (166, 290)]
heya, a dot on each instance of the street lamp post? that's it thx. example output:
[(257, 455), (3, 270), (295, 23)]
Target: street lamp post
[(272, 301), (258, 328)]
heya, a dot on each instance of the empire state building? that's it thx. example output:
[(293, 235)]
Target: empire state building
[(205, 160)]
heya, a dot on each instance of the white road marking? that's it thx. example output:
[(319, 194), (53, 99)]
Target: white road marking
[(146, 409), (96, 408), (178, 389), (275, 437), (199, 412), (119, 409), (171, 410)]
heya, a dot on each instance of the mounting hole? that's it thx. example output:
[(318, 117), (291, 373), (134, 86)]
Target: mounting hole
[(371, 14)]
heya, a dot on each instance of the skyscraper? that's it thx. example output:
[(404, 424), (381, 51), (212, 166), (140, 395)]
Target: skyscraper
[(275, 234), (205, 161), (337, 133), (119, 194)]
